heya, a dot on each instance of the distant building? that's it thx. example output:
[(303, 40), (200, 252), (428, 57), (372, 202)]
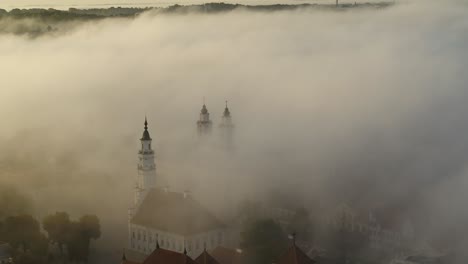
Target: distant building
[(383, 233), (173, 220)]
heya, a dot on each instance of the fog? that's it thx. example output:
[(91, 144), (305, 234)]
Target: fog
[(365, 107)]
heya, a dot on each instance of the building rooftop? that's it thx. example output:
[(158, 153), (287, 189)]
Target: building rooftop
[(228, 256), (294, 255), (163, 256), (176, 213), (206, 258)]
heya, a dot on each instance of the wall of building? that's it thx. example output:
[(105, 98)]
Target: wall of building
[(144, 240)]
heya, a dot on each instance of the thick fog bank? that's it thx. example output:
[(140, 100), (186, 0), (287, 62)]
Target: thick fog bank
[(365, 107)]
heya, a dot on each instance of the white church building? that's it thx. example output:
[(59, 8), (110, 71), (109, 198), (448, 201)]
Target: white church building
[(168, 219)]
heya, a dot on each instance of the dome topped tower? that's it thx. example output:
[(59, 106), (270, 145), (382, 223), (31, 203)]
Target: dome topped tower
[(204, 123)]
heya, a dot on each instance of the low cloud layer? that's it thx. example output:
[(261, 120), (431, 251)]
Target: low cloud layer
[(366, 107)]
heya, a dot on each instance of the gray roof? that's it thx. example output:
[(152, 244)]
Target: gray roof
[(175, 213)]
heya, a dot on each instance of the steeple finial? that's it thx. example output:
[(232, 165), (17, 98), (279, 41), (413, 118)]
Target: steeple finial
[(226, 111), (146, 135)]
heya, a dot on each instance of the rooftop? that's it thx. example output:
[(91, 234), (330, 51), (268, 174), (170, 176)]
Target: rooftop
[(176, 213)]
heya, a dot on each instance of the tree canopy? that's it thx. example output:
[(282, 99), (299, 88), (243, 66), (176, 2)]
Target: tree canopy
[(263, 240)]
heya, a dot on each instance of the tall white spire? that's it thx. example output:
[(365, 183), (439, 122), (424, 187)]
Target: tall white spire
[(204, 123), (146, 166)]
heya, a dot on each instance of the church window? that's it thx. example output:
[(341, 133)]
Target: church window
[(139, 235), (133, 234), (144, 237)]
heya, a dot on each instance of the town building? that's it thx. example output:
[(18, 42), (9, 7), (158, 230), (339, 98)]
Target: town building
[(173, 220), (385, 231)]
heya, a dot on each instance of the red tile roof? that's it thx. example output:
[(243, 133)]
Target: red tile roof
[(206, 258), (164, 256), (295, 255), (228, 256), (175, 213)]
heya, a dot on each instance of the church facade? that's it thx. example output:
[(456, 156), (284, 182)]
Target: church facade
[(171, 220)]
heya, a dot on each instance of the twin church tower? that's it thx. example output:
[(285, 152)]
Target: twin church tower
[(204, 123), (146, 158)]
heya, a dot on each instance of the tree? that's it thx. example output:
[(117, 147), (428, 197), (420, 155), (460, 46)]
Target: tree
[(263, 241), (76, 235), (81, 233), (90, 226), (24, 236), (58, 228)]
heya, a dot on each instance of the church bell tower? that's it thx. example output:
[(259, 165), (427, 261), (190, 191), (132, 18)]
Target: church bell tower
[(146, 166), (227, 127), (204, 123)]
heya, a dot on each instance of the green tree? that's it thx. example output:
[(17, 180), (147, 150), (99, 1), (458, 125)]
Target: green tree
[(75, 235), (90, 226), (58, 228), (263, 241), (81, 233), (24, 236)]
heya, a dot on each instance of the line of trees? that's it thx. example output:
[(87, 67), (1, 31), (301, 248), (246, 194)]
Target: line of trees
[(74, 236), (31, 246)]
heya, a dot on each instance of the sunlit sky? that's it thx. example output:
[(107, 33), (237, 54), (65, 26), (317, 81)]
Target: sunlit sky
[(64, 4)]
